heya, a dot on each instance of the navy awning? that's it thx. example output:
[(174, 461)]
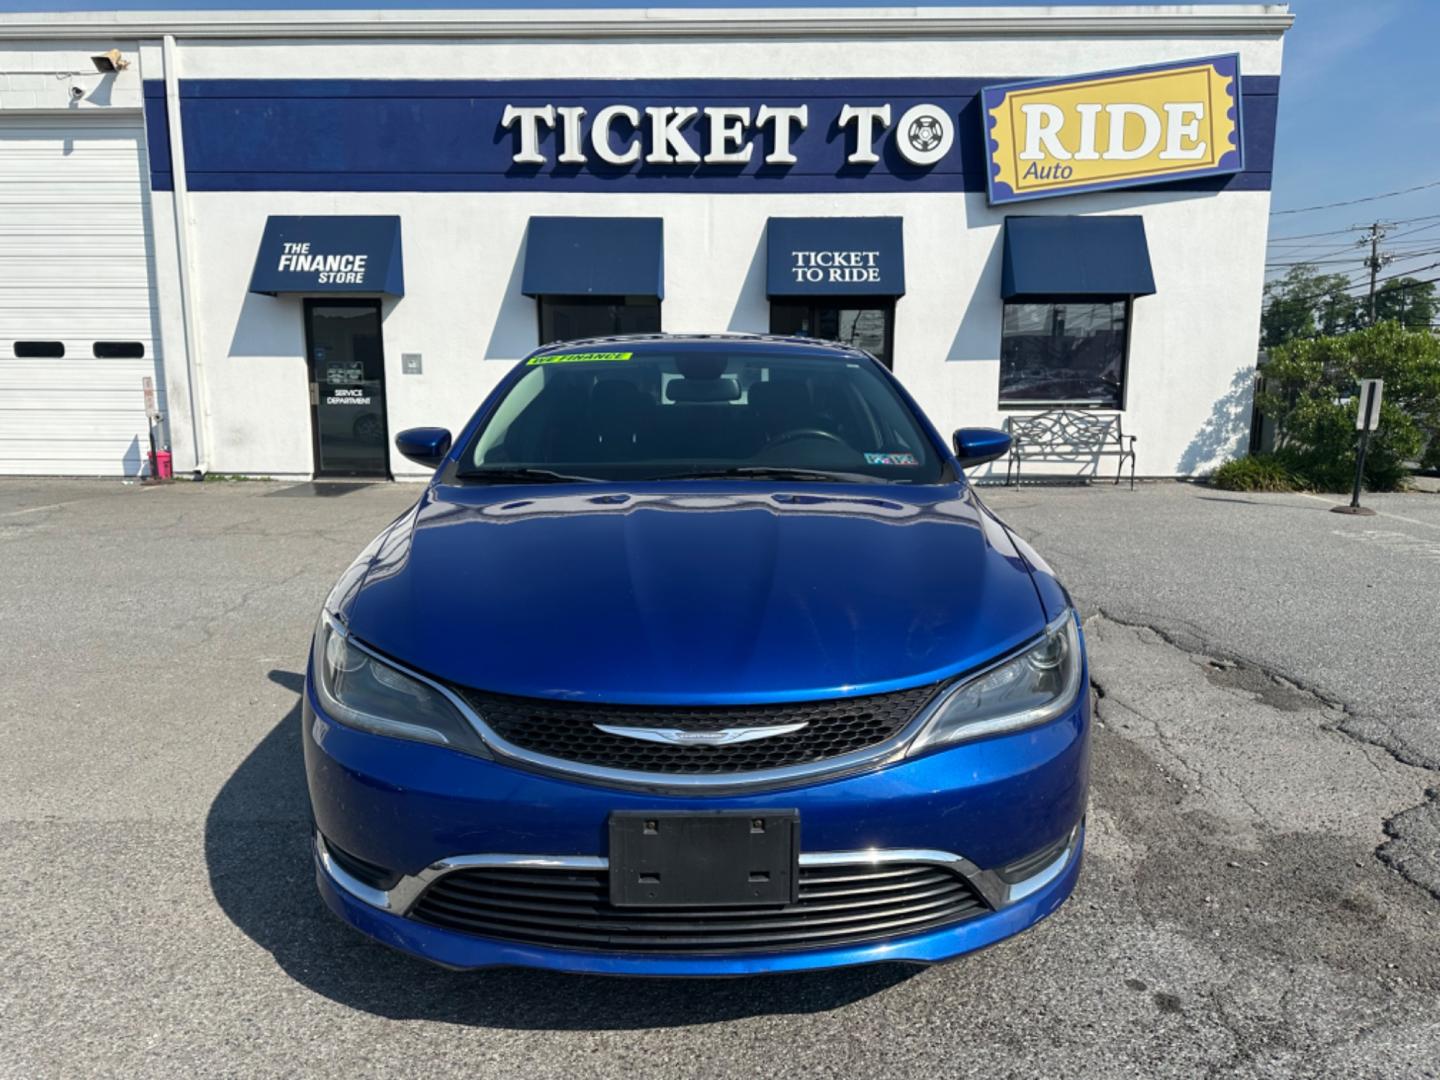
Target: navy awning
[(329, 254), (590, 256), (1075, 256), (835, 256)]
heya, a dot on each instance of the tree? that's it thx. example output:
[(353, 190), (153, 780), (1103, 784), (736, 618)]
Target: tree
[(1306, 303), (1310, 387), (1408, 301)]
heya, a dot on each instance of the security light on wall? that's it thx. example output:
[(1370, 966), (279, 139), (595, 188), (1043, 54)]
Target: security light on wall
[(105, 63)]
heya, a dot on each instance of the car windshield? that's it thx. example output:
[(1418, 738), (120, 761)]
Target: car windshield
[(597, 414)]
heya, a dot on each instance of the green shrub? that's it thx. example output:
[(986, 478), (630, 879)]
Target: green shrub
[(1306, 380), (1263, 472)]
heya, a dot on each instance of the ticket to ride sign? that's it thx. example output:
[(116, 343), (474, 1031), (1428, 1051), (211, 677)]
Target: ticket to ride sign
[(1114, 129)]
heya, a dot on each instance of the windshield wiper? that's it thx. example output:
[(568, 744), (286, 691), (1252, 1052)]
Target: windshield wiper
[(774, 472), (523, 474)]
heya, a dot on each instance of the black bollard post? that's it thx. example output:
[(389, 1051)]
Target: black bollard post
[(1367, 420)]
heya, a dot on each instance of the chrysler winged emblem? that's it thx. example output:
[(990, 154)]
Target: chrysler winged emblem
[(723, 737)]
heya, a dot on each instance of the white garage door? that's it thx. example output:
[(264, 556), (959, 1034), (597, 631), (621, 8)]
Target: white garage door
[(77, 306)]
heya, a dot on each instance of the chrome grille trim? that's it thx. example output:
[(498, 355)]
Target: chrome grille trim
[(898, 714), (883, 753), (835, 907), (991, 888)]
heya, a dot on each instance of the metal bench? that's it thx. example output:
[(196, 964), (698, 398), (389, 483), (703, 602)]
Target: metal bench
[(1069, 435)]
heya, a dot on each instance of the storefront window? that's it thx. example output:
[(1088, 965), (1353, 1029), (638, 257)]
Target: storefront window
[(565, 318), (866, 324), (1064, 353)]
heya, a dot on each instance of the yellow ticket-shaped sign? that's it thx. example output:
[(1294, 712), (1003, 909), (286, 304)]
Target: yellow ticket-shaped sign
[(578, 358), (1115, 129)]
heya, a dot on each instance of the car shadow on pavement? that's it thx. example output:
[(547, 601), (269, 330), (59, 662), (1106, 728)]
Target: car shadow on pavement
[(257, 852)]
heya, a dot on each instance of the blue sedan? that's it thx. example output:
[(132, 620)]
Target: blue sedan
[(698, 656)]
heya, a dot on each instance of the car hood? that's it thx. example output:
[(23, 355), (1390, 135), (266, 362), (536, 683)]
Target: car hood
[(655, 595)]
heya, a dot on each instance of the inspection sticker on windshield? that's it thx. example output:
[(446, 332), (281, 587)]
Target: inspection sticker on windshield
[(890, 459), (579, 357)]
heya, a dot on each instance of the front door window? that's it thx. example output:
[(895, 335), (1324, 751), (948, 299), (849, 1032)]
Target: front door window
[(864, 323), (347, 373), (567, 318)]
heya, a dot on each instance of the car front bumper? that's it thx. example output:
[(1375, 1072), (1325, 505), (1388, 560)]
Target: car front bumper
[(423, 811)]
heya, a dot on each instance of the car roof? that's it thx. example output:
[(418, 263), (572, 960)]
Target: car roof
[(727, 342)]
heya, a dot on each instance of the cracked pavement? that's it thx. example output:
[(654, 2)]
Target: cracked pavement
[(1261, 895)]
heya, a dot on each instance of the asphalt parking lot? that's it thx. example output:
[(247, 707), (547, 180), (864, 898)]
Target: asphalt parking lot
[(1261, 894)]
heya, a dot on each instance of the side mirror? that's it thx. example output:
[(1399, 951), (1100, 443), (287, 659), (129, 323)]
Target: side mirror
[(977, 445), (424, 445)]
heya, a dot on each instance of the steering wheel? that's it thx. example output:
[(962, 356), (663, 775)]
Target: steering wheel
[(808, 433)]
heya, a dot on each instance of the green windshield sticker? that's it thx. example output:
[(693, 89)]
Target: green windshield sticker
[(579, 357)]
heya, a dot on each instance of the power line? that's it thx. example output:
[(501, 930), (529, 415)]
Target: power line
[(1359, 284), (1406, 280), (1412, 232), (1372, 261), (1355, 202), (1397, 277), (1404, 320), (1364, 283), (1404, 245), (1341, 232), (1317, 258), (1363, 260), (1312, 253), (1307, 236), (1304, 254)]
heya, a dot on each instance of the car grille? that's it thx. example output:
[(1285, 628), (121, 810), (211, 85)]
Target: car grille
[(566, 730), (837, 905)]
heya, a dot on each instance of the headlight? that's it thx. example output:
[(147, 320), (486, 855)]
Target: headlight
[(360, 690), (1038, 685)]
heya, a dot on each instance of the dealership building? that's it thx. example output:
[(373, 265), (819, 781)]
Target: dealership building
[(309, 230)]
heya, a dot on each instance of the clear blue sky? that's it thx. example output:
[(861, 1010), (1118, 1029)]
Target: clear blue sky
[(1359, 110)]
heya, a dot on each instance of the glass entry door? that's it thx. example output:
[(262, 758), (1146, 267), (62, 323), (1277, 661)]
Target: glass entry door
[(347, 387), (866, 323)]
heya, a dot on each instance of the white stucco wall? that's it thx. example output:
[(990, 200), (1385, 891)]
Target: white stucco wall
[(40, 75), (1193, 344)]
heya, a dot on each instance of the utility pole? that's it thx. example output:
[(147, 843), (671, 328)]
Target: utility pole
[(1374, 234)]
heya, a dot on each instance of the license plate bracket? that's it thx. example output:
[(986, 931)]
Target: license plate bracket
[(719, 858)]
